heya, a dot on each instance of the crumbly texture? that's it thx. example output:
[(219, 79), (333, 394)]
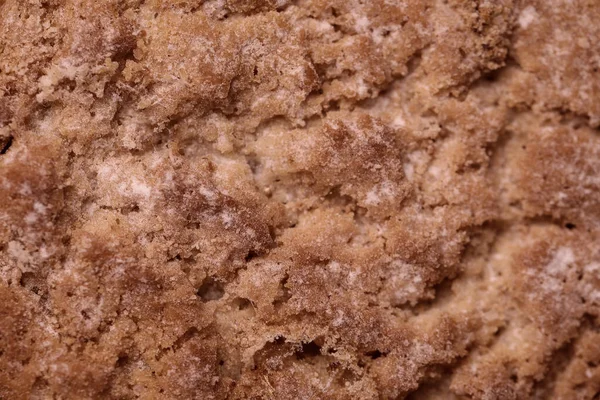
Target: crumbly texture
[(300, 199)]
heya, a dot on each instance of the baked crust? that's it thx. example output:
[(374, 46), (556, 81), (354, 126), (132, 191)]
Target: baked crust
[(312, 199)]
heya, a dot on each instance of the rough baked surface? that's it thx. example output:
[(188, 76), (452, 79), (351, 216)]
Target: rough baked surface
[(310, 199)]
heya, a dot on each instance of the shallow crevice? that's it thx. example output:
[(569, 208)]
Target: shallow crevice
[(210, 290), (310, 349), (186, 337), (284, 293), (5, 144)]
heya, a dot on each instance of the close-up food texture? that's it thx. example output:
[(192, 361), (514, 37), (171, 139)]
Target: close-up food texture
[(300, 199)]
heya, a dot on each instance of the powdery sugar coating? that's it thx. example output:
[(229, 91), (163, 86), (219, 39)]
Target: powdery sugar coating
[(310, 199)]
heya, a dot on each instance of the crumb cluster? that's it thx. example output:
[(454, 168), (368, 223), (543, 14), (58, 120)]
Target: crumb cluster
[(300, 199)]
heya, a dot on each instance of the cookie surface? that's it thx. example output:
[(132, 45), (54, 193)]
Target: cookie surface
[(311, 199)]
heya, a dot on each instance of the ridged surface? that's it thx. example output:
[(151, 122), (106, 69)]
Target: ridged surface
[(312, 199)]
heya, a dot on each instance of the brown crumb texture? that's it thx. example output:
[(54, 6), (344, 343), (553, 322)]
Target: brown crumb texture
[(300, 199)]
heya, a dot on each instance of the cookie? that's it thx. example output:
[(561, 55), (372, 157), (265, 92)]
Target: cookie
[(311, 199)]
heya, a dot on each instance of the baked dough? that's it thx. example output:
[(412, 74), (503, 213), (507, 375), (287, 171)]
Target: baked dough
[(310, 199)]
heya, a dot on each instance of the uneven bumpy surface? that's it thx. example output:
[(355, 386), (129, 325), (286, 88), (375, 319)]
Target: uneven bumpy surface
[(309, 199)]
